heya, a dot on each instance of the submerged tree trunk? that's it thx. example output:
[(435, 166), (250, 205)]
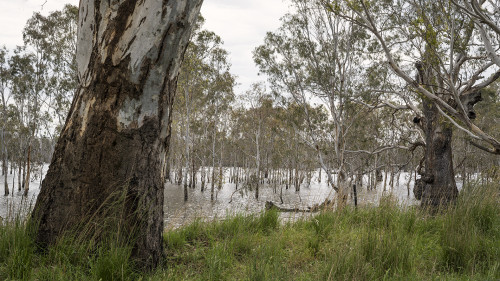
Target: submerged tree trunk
[(5, 165), (202, 174), (27, 179), (187, 144), (20, 175), (117, 133), (13, 178), (256, 179), (212, 184), (19, 172), (6, 184)]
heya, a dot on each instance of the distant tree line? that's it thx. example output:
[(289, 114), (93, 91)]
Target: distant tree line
[(332, 106)]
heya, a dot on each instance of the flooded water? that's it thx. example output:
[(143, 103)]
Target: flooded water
[(199, 205), (15, 203)]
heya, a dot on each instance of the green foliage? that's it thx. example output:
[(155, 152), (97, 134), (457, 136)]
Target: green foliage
[(268, 221), (477, 218), (71, 258), (37, 83), (386, 242), (16, 250)]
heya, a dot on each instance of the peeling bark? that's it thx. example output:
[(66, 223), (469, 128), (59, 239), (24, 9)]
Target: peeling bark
[(117, 133)]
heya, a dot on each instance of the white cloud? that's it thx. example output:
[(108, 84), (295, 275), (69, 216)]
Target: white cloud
[(15, 13), (242, 24)]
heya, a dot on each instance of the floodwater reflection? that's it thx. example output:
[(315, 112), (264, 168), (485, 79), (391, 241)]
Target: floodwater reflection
[(179, 213), (199, 205)]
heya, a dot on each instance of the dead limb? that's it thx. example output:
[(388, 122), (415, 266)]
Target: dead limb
[(315, 208)]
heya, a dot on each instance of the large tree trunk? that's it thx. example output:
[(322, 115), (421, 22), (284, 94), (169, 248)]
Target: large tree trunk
[(437, 183), (117, 133), (439, 178)]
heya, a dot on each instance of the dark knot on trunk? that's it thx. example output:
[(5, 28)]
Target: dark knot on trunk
[(469, 100), (419, 65), (418, 189)]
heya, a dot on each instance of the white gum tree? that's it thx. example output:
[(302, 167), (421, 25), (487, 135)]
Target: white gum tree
[(439, 42), (115, 139)]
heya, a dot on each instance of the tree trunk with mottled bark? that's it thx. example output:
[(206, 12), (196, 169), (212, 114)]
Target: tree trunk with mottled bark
[(439, 178), (437, 183), (117, 133)]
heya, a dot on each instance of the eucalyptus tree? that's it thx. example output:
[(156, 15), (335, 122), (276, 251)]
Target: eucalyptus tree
[(26, 87), (265, 137), (438, 41), (52, 39), (204, 78), (469, 163), (256, 115), (191, 79), (4, 85), (299, 121), (42, 79), (486, 17), (315, 56), (239, 143), (115, 139), (219, 97)]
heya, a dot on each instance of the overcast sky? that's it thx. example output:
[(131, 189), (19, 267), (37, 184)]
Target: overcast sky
[(242, 24)]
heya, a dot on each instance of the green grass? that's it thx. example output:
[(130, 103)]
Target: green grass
[(382, 243)]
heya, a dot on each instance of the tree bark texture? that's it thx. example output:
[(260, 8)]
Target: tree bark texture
[(439, 177), (117, 133), (437, 183)]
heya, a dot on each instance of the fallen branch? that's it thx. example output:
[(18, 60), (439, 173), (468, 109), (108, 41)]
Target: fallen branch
[(315, 208)]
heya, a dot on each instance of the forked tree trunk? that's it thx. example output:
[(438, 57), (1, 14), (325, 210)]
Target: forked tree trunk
[(117, 133)]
